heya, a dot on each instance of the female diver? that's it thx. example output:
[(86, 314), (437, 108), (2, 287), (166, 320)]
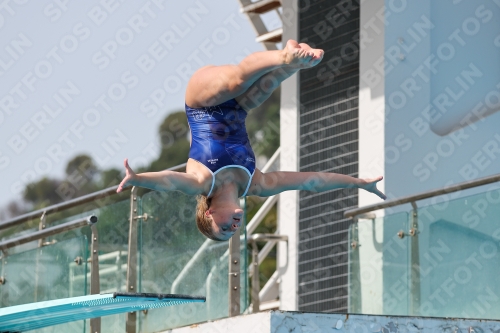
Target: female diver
[(221, 164)]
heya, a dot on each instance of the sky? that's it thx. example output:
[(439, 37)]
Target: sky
[(98, 77)]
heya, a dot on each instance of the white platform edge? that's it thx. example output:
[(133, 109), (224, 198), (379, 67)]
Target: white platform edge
[(297, 322)]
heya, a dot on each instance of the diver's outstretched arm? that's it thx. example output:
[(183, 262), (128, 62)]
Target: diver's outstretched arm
[(161, 181), (267, 184)]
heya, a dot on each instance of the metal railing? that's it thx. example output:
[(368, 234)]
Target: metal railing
[(367, 213), (257, 258), (421, 196), (95, 323), (232, 254), (7, 244), (91, 221), (58, 207)]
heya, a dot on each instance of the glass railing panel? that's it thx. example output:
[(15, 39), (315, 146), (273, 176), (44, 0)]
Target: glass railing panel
[(459, 257), (217, 282), (19, 231), (378, 265), (171, 262), (51, 272), (113, 230), (56, 218)]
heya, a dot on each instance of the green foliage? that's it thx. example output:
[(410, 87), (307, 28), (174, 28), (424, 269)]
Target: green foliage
[(82, 164), (110, 177), (263, 126), (174, 136), (42, 193)]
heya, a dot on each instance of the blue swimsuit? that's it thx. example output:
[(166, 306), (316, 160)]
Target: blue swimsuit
[(220, 140)]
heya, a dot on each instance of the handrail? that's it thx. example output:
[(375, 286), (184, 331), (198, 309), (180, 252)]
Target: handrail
[(263, 252), (267, 237), (261, 213), (424, 195), (70, 203), (253, 239), (267, 289), (75, 224), (249, 228)]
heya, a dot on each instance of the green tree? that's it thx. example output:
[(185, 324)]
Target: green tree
[(82, 164), (42, 193), (81, 176), (174, 136), (110, 177), (263, 126)]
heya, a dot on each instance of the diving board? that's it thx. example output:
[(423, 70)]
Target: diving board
[(32, 316)]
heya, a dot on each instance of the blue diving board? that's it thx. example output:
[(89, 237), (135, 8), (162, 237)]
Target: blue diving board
[(32, 316)]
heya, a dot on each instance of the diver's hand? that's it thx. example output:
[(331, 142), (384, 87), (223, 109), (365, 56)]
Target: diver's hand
[(370, 185), (130, 176)]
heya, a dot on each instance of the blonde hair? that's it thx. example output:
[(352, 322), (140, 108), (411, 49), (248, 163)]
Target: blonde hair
[(203, 222)]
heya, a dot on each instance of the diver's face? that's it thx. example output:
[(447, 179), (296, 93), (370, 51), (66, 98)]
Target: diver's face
[(226, 220)]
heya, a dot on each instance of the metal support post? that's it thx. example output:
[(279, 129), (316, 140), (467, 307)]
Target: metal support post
[(354, 301), (414, 264), (253, 239), (255, 279), (119, 261), (4, 293), (234, 275), (132, 257), (2, 277), (95, 288), (41, 226)]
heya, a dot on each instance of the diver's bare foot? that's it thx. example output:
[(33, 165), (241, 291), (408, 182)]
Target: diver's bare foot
[(297, 57), (318, 53)]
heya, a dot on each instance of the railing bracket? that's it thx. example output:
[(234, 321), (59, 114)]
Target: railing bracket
[(52, 242), (234, 269), (144, 217), (132, 260)]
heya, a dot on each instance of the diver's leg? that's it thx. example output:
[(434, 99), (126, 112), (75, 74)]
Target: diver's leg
[(213, 85), (263, 87)]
